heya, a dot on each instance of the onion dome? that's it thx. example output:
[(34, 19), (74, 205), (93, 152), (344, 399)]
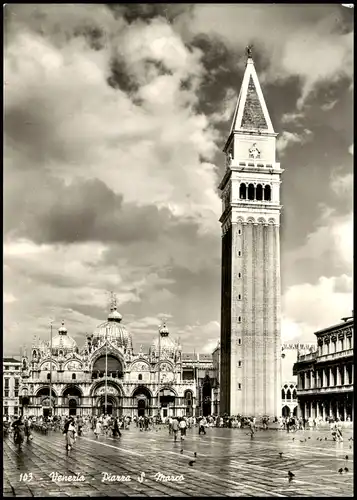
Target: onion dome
[(62, 341), (113, 330), (62, 329), (115, 315), (166, 348)]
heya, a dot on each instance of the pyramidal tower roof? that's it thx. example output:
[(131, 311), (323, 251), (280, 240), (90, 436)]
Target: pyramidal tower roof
[(251, 113)]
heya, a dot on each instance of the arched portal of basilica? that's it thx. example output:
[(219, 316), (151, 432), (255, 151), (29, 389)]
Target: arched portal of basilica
[(106, 375)]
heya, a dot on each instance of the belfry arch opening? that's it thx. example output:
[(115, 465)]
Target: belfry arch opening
[(242, 191), (251, 192), (259, 192), (267, 193)]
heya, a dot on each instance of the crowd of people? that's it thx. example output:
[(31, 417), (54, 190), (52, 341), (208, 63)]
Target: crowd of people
[(293, 424), (74, 426)]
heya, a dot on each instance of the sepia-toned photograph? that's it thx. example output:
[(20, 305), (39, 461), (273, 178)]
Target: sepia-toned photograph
[(178, 250)]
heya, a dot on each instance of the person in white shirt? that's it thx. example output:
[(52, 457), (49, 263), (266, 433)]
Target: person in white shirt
[(183, 426), (175, 427), (202, 426)]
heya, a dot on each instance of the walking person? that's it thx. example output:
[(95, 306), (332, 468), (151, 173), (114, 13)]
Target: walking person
[(183, 426), (251, 427), (175, 427), (116, 429), (79, 425), (97, 428), (28, 432), (19, 431), (70, 433)]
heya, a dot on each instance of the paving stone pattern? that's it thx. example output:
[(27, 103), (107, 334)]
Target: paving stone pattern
[(229, 463)]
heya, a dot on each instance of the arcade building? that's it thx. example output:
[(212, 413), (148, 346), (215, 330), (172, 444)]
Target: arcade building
[(107, 375), (326, 376)]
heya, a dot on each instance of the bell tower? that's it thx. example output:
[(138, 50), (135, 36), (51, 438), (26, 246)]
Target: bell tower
[(250, 288)]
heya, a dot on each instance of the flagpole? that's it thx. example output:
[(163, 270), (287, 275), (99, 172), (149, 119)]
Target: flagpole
[(51, 371), (159, 371), (106, 368)]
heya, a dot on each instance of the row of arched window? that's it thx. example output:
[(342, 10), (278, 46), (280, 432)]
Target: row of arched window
[(288, 394), (252, 192)]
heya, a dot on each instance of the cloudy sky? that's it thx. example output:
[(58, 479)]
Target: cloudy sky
[(115, 120)]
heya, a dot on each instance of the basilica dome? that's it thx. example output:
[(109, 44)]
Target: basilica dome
[(166, 347), (63, 341), (114, 331)]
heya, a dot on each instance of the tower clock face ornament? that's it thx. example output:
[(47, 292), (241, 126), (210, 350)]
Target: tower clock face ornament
[(254, 152)]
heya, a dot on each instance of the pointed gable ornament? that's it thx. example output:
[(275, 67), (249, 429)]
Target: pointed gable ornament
[(251, 113)]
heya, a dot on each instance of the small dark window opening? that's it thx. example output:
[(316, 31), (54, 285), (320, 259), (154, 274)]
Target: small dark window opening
[(239, 254), (239, 319), (251, 192), (267, 193), (239, 275), (239, 341), (140, 377), (73, 376), (239, 231), (48, 376), (239, 297), (242, 191), (259, 192), (239, 386), (239, 363)]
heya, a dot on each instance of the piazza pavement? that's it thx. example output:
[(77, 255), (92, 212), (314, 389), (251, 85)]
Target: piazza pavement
[(228, 463)]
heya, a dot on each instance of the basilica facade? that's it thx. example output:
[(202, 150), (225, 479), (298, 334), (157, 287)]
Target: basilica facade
[(107, 375)]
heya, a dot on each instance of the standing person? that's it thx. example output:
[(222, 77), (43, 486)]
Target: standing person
[(116, 430), (28, 433), (19, 431), (251, 427), (339, 429), (170, 425), (97, 428), (202, 426), (70, 433), (175, 427), (79, 425), (183, 426)]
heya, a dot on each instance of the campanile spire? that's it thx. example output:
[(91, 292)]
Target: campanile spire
[(251, 112)]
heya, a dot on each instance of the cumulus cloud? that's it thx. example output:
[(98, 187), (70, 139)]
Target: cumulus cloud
[(329, 105), (342, 184), (292, 118), (9, 298), (320, 304), (281, 34), (287, 139), (209, 331), (103, 131), (114, 122)]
